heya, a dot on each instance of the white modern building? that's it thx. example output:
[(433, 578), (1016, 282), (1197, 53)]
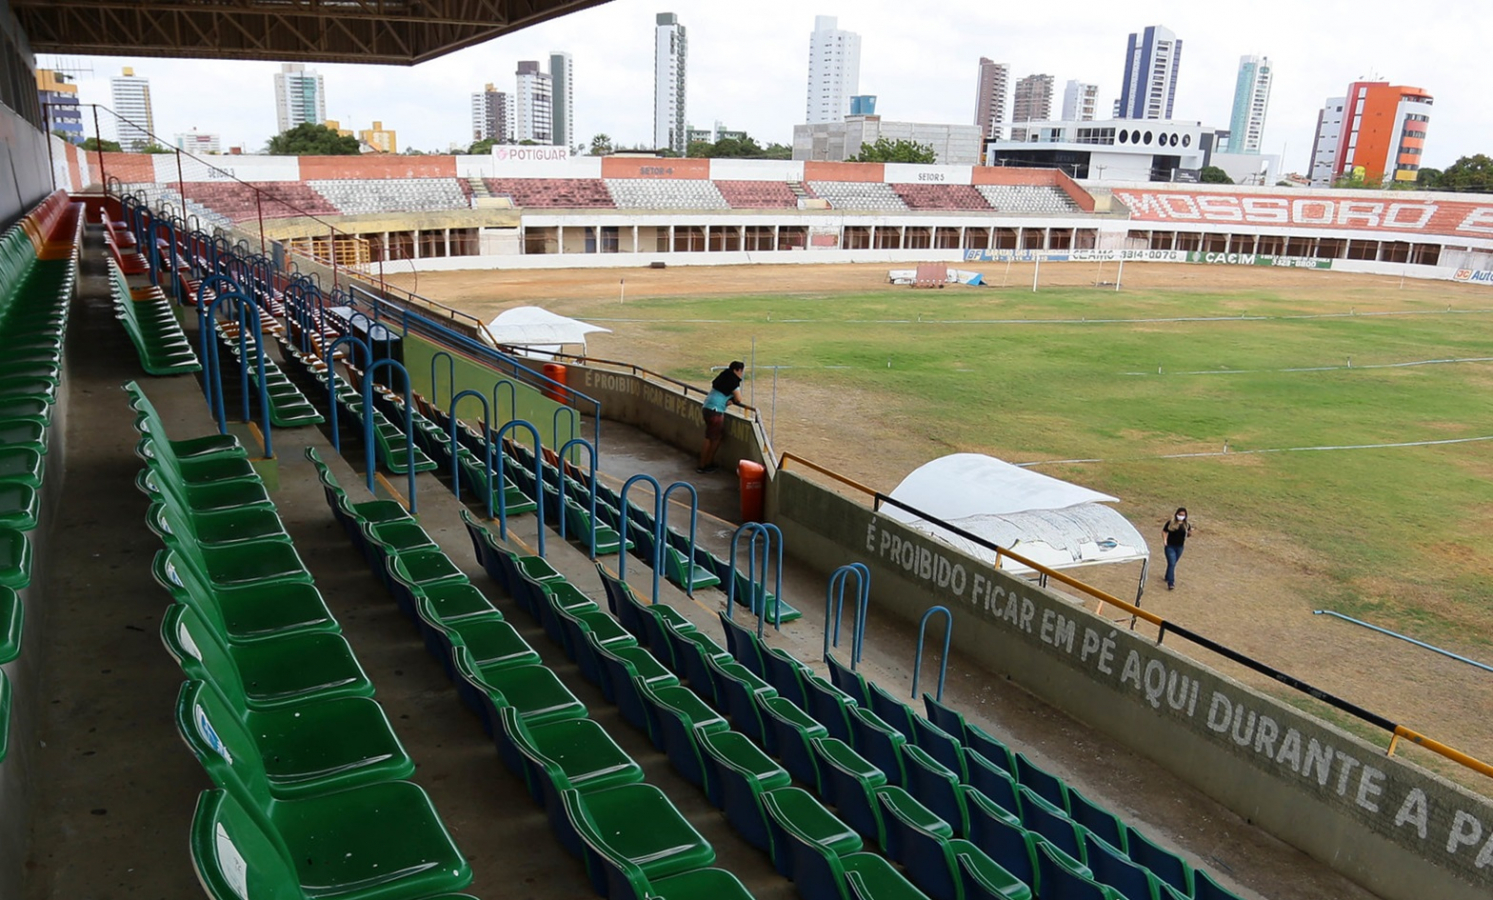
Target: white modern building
[(1324, 147), (990, 98), (533, 104), (300, 97), (1112, 150), (490, 120), (131, 97), (1080, 101), (670, 58), (562, 94), (198, 143), (1251, 101), (834, 71), (1152, 59), (953, 145)]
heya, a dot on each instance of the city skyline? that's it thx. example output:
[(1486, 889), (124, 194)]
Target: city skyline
[(613, 46)]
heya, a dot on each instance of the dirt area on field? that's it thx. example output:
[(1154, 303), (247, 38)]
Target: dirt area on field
[(1250, 590)]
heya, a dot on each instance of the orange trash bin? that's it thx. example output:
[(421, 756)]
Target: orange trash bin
[(753, 480), (555, 372)]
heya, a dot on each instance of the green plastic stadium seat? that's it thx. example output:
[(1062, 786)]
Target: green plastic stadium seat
[(271, 673), (535, 691), (303, 750), (637, 823), (378, 842), (587, 756), (15, 559), (12, 617), (246, 614)]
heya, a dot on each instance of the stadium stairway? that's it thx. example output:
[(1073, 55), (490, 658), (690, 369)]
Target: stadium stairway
[(114, 786)]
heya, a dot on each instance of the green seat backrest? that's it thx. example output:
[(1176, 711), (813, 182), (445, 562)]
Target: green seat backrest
[(187, 584), (235, 856), (216, 733), (198, 649)]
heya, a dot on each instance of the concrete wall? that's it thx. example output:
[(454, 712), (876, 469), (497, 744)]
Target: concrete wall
[(666, 412), (25, 177), (1402, 832)]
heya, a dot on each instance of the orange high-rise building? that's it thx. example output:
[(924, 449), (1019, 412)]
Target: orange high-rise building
[(1384, 131)]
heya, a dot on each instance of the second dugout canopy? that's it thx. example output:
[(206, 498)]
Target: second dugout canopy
[(538, 331), (1053, 522)]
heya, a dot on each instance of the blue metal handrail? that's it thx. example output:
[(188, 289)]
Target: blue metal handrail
[(538, 479), (204, 337), (456, 447), (663, 530), (766, 531), (435, 385), (591, 486), (331, 361), (658, 497), (834, 600), (409, 425), (555, 424), (205, 320), (917, 663), (497, 410)]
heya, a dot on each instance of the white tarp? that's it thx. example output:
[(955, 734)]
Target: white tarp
[(539, 329), (954, 276), (1045, 519)]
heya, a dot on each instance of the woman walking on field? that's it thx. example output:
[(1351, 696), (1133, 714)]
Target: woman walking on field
[(1177, 530)]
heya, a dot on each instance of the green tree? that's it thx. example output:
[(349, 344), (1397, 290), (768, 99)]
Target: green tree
[(312, 139), (1284, 184), (1214, 175), (153, 147), (1470, 173), (601, 144), (1428, 179), (94, 145), (482, 147), (777, 151), (898, 151)]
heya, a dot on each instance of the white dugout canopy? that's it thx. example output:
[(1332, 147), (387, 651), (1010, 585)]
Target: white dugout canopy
[(1050, 521)]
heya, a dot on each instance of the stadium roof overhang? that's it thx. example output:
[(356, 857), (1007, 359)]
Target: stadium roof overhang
[(401, 32)]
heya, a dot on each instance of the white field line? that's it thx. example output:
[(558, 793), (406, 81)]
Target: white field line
[(1227, 452)]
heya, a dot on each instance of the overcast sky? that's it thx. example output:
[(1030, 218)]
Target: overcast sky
[(748, 67)]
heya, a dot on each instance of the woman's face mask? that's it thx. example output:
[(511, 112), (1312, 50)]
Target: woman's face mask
[(1181, 517)]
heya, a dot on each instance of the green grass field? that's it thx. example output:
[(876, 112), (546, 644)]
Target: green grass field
[(1400, 534)]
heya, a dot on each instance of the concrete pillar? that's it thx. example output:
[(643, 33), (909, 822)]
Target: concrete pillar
[(741, 237), (560, 241), (386, 245), (634, 239), (415, 241), (775, 237), (446, 236)]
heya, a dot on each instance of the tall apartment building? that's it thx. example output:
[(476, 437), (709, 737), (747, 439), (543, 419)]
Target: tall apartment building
[(990, 98), (562, 93), (59, 104), (300, 97), (1031, 101), (1152, 59), (1324, 146), (1251, 100), (131, 96), (834, 71), (669, 63), (490, 120), (1382, 134), (1080, 101), (533, 104)]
